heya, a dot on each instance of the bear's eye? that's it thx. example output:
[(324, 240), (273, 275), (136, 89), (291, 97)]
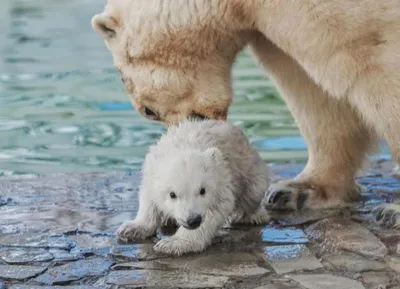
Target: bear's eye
[(172, 195), (150, 114), (202, 191), (198, 116)]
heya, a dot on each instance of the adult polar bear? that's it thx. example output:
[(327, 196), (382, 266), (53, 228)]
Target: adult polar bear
[(335, 62)]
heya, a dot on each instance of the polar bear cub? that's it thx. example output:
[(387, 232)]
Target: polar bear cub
[(200, 174)]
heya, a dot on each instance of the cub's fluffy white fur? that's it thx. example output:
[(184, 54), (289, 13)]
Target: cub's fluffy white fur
[(200, 174)]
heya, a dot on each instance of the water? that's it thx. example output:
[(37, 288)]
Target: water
[(63, 108)]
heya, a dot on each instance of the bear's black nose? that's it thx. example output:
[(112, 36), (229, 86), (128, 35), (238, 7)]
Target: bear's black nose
[(194, 221)]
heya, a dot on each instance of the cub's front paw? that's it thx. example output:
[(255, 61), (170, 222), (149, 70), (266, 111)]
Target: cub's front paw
[(176, 246), (133, 231), (260, 217)]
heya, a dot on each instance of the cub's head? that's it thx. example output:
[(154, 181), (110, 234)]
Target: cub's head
[(175, 56), (189, 186)]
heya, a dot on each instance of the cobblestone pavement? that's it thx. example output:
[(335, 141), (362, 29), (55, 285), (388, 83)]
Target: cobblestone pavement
[(58, 232)]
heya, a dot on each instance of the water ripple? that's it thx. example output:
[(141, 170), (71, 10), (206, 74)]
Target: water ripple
[(63, 107)]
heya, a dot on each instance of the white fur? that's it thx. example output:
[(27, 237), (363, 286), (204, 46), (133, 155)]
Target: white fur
[(210, 154), (335, 63)]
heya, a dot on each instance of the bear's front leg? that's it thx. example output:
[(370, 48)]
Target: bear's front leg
[(337, 139), (144, 225), (186, 241)]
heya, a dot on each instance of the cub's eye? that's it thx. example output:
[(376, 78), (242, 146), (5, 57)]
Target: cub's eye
[(172, 195), (123, 80), (202, 191)]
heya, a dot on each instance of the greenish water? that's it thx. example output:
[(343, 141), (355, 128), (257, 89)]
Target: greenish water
[(63, 107)]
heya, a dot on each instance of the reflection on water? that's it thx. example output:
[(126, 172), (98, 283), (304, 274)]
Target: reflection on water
[(64, 109)]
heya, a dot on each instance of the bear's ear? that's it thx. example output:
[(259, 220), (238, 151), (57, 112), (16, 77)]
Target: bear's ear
[(105, 25), (213, 154)]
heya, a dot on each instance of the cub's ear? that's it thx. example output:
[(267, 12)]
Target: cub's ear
[(105, 25), (213, 154)]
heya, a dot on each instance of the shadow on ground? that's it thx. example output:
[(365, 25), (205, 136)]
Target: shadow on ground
[(58, 232)]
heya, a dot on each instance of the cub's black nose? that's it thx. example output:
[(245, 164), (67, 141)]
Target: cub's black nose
[(194, 221)]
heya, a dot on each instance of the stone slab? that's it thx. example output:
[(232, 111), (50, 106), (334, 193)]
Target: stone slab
[(353, 263), (394, 263), (379, 279), (238, 264), (338, 234), (290, 258), (59, 241), (15, 272), (326, 281), (23, 256), (74, 271), (55, 287), (164, 279), (279, 285)]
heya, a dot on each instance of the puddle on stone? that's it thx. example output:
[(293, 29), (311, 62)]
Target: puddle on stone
[(289, 219), (89, 202), (289, 258), (138, 252), (163, 279), (285, 235), (284, 252), (233, 263), (92, 244), (386, 184), (67, 223), (336, 234)]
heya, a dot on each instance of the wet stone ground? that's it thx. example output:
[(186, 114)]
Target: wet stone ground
[(58, 232)]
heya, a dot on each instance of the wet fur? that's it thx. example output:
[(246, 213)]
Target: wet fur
[(239, 174), (335, 63)]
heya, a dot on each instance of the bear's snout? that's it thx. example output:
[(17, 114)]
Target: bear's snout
[(194, 221)]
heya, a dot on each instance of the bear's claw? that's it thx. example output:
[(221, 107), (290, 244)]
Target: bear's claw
[(282, 196), (288, 196), (388, 215), (298, 195)]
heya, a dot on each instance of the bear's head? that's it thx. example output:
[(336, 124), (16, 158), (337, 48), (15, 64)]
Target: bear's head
[(189, 187), (175, 56)]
